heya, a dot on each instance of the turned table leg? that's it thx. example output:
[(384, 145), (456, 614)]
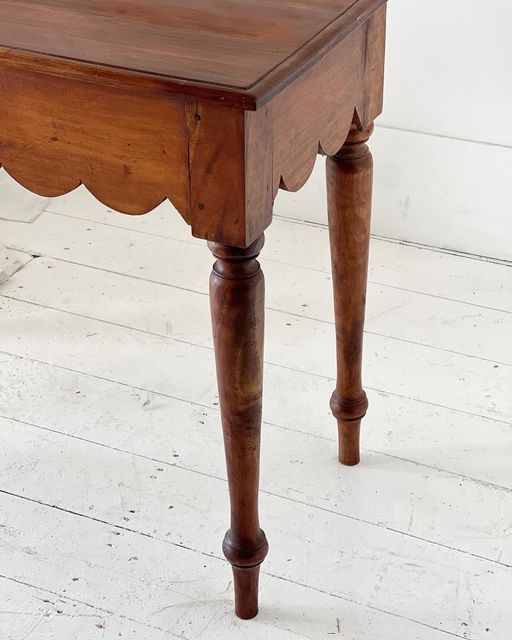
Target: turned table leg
[(237, 292), (349, 189)]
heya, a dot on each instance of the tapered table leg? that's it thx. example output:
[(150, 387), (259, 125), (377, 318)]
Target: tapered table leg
[(349, 188), (237, 302)]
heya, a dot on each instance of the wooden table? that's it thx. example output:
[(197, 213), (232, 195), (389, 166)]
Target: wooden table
[(215, 105)]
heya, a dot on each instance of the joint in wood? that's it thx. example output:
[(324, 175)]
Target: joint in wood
[(235, 263), (355, 146)]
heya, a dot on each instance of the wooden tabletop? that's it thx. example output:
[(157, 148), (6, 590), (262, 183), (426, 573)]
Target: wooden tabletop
[(239, 51)]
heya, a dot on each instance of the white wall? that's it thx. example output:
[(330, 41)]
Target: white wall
[(443, 146)]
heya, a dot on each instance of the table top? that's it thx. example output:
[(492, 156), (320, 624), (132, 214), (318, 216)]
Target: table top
[(240, 51)]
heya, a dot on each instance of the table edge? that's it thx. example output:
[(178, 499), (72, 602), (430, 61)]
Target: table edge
[(249, 98)]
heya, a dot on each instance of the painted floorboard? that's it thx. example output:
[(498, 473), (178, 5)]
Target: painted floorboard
[(168, 587), (400, 575), (109, 417), (404, 315), (434, 273), (431, 505), (468, 384), (408, 430)]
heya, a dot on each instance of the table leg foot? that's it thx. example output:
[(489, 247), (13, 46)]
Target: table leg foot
[(349, 416), (246, 591)]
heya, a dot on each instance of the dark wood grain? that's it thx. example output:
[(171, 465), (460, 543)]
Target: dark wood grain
[(349, 188), (239, 52), (237, 295), (214, 105), (128, 147), (314, 113), (221, 166)]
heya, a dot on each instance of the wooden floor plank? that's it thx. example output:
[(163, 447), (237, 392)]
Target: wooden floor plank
[(393, 312), (392, 264), (29, 613), (401, 575), (390, 365), (185, 316), (11, 262), (431, 505), (402, 315), (397, 427), (110, 416), (171, 588)]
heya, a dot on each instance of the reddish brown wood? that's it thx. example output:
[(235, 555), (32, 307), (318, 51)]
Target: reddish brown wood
[(214, 105), (138, 143), (349, 187), (315, 112), (237, 294), (241, 53), (127, 147)]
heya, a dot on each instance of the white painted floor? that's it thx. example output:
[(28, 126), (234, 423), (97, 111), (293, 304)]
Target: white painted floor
[(113, 498)]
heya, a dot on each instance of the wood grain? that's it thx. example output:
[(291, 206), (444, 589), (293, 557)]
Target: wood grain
[(128, 148), (237, 295), (441, 502), (214, 106), (240, 52), (400, 427), (313, 115), (349, 189), (221, 166)]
